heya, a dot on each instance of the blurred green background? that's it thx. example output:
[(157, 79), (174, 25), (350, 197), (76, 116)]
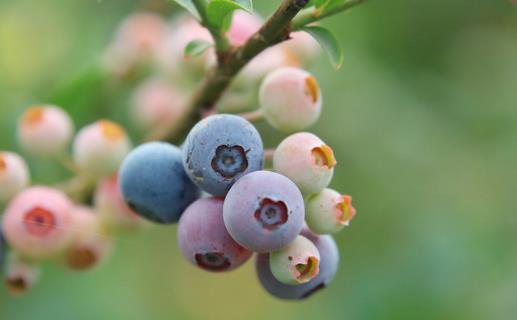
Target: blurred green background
[(423, 119)]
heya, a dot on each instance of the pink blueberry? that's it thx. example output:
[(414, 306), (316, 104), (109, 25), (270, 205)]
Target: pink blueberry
[(14, 175), (38, 222), (204, 240), (91, 244), (328, 211), (44, 130), (290, 99), (306, 160), (99, 148)]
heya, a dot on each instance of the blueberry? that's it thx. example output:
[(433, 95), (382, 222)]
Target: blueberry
[(264, 211), (154, 183), (3, 249), (296, 263), (328, 211), (329, 260), (221, 149), (203, 238)]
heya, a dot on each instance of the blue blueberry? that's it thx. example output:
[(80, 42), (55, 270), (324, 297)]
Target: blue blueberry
[(154, 183), (219, 150), (329, 261), (264, 211), (3, 249)]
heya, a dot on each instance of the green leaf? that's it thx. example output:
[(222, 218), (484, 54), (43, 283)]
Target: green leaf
[(317, 3), (328, 42), (220, 11), (196, 48), (189, 6)]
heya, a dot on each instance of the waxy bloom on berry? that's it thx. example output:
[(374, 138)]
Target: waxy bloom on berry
[(14, 175), (44, 130), (38, 222), (306, 160), (290, 99), (328, 211), (100, 148)]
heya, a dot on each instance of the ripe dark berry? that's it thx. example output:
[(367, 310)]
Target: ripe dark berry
[(221, 149), (3, 249), (204, 240), (264, 211), (154, 183), (329, 260)]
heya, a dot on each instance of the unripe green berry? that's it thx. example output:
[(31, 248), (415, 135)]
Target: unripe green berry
[(14, 175), (100, 148), (20, 275), (328, 211), (290, 99), (296, 263), (44, 130)]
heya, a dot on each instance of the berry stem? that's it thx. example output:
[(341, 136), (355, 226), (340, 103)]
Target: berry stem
[(311, 15), (275, 30), (252, 116)]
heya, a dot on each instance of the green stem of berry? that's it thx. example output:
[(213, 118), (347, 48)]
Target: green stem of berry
[(222, 45), (312, 15), (275, 30)]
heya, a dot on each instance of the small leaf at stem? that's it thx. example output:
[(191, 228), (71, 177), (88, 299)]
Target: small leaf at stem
[(220, 12), (196, 48), (328, 42), (245, 4), (189, 6)]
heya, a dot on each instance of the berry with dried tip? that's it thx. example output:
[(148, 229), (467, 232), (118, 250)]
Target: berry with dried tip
[(14, 175), (296, 263), (290, 99), (38, 222), (328, 211), (329, 261), (99, 148), (90, 244), (204, 240), (219, 150), (264, 211), (20, 275), (154, 183), (306, 160), (157, 103), (111, 207), (44, 130)]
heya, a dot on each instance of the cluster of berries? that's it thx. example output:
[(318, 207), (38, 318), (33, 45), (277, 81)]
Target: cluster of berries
[(214, 186), (43, 222)]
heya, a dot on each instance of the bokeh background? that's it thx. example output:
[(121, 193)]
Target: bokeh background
[(423, 120)]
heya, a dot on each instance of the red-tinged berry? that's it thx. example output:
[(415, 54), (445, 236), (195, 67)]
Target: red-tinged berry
[(38, 222), (306, 160)]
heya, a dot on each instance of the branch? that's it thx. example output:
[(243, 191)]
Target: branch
[(274, 31), (222, 45), (311, 15)]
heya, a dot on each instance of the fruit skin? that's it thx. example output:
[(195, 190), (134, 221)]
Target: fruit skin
[(306, 160), (296, 263), (329, 261), (290, 99), (154, 183), (3, 249), (212, 142), (328, 211), (44, 130), (37, 222), (99, 148), (264, 211), (91, 244), (14, 175), (202, 236), (20, 275), (111, 207)]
